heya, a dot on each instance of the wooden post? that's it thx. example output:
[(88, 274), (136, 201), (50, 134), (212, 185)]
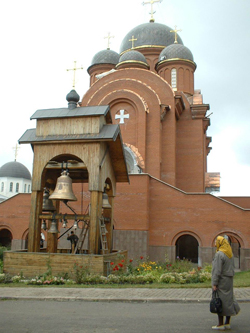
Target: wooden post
[(52, 238), (52, 241), (108, 213), (35, 222), (95, 213)]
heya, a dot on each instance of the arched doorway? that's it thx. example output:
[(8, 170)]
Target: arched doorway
[(5, 238), (187, 247)]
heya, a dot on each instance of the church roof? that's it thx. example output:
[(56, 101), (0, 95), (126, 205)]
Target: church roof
[(76, 112), (105, 57), (176, 51), (133, 56), (15, 170), (108, 132), (149, 35)]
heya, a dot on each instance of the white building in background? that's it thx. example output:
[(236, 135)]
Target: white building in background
[(14, 178)]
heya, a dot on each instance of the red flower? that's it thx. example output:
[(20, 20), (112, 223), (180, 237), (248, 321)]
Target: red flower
[(111, 263), (131, 260), (121, 265), (141, 257), (122, 260), (114, 269)]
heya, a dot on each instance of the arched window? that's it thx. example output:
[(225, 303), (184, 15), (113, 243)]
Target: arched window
[(174, 78), (2, 186), (17, 187), (25, 188), (11, 187), (29, 189)]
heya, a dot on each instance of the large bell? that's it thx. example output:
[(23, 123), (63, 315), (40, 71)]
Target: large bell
[(63, 190), (105, 201), (47, 203), (53, 228)]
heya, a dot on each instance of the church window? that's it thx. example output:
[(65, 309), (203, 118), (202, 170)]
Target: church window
[(11, 187), (25, 188), (2, 187), (174, 78), (17, 187), (29, 189)]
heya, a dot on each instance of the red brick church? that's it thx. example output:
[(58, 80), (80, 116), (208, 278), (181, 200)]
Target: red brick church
[(166, 209)]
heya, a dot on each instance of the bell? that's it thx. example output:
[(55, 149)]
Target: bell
[(105, 201), (44, 226), (64, 225), (53, 228), (63, 190), (47, 203), (75, 225)]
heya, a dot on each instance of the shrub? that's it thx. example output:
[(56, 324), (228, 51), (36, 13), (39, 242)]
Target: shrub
[(2, 249)]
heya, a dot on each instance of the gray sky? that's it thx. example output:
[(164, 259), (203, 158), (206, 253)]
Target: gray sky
[(41, 39)]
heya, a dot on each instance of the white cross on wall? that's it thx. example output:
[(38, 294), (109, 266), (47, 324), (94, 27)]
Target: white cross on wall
[(121, 116)]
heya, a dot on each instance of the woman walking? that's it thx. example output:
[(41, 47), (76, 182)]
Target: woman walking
[(222, 281)]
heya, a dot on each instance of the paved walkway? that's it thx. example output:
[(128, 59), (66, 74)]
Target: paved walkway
[(117, 294)]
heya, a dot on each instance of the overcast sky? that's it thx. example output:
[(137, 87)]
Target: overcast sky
[(41, 39)]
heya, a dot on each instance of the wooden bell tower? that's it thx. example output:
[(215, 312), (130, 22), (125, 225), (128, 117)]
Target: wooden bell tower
[(84, 139)]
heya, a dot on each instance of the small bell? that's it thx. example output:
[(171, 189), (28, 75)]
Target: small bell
[(63, 190), (47, 203), (75, 226), (53, 228), (105, 201), (64, 225), (44, 226)]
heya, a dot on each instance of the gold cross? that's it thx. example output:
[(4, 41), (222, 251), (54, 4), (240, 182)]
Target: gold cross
[(132, 40), (108, 37), (74, 76), (175, 34), (16, 150), (152, 11)]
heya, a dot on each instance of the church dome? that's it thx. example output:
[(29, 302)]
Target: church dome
[(105, 57), (176, 51), (149, 35), (133, 56), (15, 170)]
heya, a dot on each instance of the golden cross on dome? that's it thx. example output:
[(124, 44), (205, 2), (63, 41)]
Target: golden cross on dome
[(16, 150), (151, 2), (133, 39), (109, 37), (175, 34), (74, 75)]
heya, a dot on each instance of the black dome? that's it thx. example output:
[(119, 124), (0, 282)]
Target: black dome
[(15, 170), (149, 34), (105, 57), (73, 96), (133, 56), (176, 51)]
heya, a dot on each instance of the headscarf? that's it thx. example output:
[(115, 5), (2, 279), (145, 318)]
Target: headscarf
[(223, 246)]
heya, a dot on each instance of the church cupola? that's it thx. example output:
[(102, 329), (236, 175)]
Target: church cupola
[(104, 61), (176, 65), (132, 59)]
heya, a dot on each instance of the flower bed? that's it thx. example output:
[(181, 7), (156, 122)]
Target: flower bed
[(135, 272)]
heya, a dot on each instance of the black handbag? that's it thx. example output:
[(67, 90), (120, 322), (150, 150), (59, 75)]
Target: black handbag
[(215, 303)]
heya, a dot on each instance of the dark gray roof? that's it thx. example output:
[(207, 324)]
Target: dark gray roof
[(105, 57), (15, 169), (176, 51), (149, 34), (108, 132), (77, 112), (133, 56)]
